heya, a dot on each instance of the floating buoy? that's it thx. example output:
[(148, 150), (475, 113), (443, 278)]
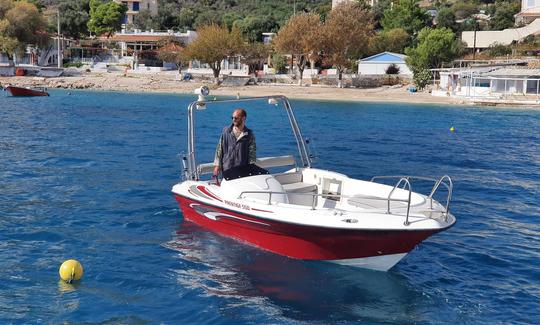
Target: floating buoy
[(452, 129), (71, 270)]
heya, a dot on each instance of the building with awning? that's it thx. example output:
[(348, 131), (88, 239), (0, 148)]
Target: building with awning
[(137, 40), (502, 83)]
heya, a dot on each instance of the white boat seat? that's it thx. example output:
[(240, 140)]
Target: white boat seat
[(299, 187)]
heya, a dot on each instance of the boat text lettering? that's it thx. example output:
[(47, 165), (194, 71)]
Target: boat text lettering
[(237, 205)]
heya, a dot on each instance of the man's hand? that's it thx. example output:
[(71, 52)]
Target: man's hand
[(216, 170)]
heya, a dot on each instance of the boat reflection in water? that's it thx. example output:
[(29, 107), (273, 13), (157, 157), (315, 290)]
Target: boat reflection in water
[(247, 277)]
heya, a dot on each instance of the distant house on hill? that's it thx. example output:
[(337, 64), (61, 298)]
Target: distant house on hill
[(335, 3), (530, 10), (378, 64), (529, 14), (135, 6)]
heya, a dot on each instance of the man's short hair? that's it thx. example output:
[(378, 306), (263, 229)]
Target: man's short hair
[(242, 111)]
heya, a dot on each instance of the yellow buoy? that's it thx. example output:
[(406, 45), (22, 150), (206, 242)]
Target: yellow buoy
[(452, 129), (71, 270)]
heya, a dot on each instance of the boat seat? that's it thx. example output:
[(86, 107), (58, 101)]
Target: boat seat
[(299, 187), (296, 189)]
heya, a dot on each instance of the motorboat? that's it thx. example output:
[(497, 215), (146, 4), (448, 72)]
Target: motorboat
[(307, 213), (26, 92)]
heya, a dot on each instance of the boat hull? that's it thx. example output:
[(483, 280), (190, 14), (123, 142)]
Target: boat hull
[(25, 92), (374, 249)]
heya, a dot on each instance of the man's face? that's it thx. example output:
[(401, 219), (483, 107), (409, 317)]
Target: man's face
[(237, 119)]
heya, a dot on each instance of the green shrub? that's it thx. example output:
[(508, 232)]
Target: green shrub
[(499, 50), (422, 78)]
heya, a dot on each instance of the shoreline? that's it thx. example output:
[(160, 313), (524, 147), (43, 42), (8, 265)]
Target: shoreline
[(166, 82)]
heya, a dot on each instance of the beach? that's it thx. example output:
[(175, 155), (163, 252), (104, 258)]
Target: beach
[(167, 82)]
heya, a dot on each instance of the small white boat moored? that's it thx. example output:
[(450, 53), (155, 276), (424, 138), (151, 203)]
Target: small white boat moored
[(309, 213)]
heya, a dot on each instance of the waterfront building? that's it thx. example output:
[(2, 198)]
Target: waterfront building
[(509, 82)]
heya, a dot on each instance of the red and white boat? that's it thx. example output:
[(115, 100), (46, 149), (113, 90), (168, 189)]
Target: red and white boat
[(309, 213), (26, 92)]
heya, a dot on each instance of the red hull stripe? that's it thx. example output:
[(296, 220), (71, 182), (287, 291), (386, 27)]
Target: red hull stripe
[(300, 241), (207, 192), (255, 209)]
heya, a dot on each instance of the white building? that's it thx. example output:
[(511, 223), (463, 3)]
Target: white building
[(378, 64), (503, 83), (335, 3)]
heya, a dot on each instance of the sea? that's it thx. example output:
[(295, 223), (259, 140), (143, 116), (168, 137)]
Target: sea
[(88, 175)]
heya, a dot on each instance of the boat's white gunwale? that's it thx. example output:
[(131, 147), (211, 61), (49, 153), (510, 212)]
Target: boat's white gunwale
[(321, 212)]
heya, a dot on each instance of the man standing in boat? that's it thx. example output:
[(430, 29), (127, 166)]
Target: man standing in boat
[(236, 149)]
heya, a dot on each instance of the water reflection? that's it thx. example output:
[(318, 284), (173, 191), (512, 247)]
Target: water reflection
[(297, 290)]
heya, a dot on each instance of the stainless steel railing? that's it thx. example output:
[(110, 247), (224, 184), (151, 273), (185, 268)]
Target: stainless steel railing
[(316, 195), (445, 180), (403, 181)]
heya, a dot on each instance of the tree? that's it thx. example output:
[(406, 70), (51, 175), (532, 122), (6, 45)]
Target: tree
[(299, 37), (504, 15), (254, 55), (145, 20), (279, 63), (394, 40), (106, 17), (74, 17), (408, 15), (212, 45), (345, 36), (446, 18), (20, 24), (435, 46), (463, 10), (253, 27)]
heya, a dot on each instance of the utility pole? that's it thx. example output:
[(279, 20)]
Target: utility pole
[(474, 42), (59, 50), (294, 8)]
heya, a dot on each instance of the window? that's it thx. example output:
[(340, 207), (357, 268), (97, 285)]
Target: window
[(135, 6), (531, 3)]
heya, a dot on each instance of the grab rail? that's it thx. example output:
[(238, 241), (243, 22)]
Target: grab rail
[(445, 180), (405, 183)]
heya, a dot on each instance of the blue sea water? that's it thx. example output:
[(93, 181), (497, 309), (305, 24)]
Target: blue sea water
[(87, 175)]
